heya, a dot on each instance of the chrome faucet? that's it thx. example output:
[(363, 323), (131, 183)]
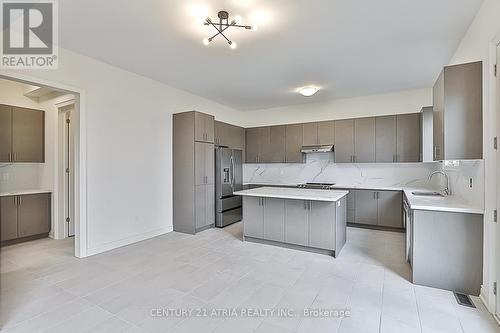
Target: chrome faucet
[(447, 190)]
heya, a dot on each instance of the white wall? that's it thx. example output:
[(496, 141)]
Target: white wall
[(409, 101), (475, 46), (129, 147)]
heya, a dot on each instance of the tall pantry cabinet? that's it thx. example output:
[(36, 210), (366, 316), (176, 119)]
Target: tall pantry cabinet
[(193, 172)]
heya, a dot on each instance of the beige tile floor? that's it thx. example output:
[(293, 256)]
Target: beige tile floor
[(45, 289)]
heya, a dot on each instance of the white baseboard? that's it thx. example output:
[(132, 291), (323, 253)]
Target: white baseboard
[(127, 241)]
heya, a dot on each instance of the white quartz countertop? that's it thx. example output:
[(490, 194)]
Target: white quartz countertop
[(450, 203), (24, 192), (294, 193)]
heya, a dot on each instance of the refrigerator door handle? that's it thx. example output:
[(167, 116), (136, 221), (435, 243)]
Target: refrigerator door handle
[(231, 161)]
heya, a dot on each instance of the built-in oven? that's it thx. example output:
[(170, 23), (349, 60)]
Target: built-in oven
[(408, 225)]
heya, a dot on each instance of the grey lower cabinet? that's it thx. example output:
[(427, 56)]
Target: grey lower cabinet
[(376, 208), (24, 216), (193, 172), (344, 141), (314, 224), (447, 250), (22, 135)]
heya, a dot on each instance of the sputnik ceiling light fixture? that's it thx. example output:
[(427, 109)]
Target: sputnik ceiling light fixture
[(223, 25)]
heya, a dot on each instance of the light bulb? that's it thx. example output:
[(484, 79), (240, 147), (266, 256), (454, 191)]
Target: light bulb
[(233, 45), (255, 27), (206, 41), (308, 91), (238, 19)]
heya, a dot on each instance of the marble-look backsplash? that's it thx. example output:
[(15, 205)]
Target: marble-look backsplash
[(18, 177), (321, 168)]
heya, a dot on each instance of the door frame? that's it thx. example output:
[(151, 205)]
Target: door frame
[(80, 153), (496, 111)]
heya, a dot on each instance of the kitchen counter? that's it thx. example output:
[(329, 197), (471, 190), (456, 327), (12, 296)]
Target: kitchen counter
[(24, 192), (450, 203), (294, 193)]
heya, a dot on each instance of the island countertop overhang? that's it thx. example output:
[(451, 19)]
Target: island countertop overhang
[(294, 193)]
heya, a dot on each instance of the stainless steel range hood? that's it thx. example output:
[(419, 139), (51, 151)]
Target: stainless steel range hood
[(317, 149)]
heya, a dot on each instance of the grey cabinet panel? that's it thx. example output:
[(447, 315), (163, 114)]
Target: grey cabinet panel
[(321, 225), (310, 134), (390, 212), (297, 225), (8, 218), (252, 145), (364, 140), (253, 213), (220, 133), (5, 133), (438, 121), (199, 163), (293, 136), (326, 132), (203, 127), (408, 137), (385, 139), (344, 141), (274, 219), (210, 204), (274, 150), (209, 163), (351, 204), (340, 225), (366, 211), (209, 128), (200, 206), (34, 214), (28, 135)]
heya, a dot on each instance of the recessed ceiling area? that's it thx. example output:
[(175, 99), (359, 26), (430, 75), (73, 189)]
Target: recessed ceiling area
[(348, 48)]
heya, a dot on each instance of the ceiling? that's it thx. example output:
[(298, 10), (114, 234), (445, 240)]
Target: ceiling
[(347, 47)]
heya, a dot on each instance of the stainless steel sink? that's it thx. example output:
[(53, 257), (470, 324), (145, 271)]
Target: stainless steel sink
[(427, 194)]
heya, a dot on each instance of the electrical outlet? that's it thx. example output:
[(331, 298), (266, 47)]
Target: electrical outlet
[(470, 182), (5, 176)]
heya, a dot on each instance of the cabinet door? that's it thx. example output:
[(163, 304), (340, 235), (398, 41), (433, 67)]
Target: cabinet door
[(209, 163), (264, 144), (253, 217), (321, 225), (438, 121), (199, 163), (310, 134), (408, 137), (351, 204), (364, 140), (209, 128), (344, 141), (274, 219), (34, 214), (366, 207), (326, 132), (274, 152), (219, 132), (385, 139), (252, 145), (390, 209), (293, 138), (8, 218), (5, 133), (296, 222), (209, 204), (200, 206), (28, 135), (199, 126)]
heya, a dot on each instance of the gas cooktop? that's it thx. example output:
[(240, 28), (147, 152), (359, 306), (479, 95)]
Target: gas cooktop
[(317, 186)]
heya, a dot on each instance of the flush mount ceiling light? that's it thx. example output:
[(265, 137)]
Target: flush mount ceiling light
[(308, 91), (223, 25)]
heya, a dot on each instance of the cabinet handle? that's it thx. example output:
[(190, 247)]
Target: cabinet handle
[(19, 200), (15, 157), (305, 205)]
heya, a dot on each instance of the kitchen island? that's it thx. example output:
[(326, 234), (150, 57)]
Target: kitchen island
[(304, 219)]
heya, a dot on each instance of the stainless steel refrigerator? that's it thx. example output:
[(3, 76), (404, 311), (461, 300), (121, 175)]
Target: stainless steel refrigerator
[(228, 179)]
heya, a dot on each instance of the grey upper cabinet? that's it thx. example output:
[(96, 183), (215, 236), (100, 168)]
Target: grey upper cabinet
[(274, 219), (25, 215), (458, 116), (321, 226), (409, 137), (228, 135), (5, 133), (364, 140), (319, 133), (22, 135), (344, 141), (293, 144), (297, 226), (390, 209), (366, 207), (253, 210), (385, 139), (193, 172), (8, 218), (273, 149), (204, 127), (252, 145)]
